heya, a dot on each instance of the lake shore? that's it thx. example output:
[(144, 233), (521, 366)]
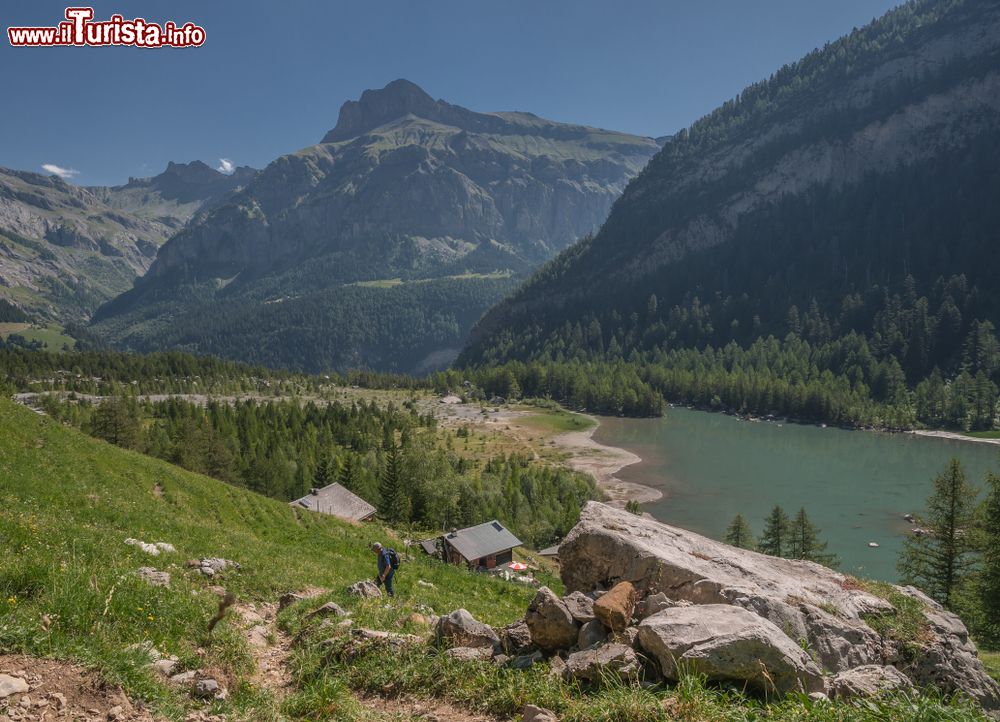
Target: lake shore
[(953, 435), (602, 462)]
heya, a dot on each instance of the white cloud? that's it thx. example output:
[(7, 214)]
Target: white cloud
[(226, 166), (63, 173)]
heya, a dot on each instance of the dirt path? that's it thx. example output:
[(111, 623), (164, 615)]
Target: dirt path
[(269, 645)]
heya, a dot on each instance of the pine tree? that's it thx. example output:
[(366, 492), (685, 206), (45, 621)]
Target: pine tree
[(989, 580), (939, 562), (804, 541), (775, 539), (395, 505), (739, 534)]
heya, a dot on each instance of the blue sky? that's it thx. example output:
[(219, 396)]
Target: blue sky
[(272, 75)]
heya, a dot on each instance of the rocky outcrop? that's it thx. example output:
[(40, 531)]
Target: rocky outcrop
[(725, 642), (788, 602)]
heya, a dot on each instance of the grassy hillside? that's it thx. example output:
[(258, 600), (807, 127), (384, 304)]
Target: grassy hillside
[(68, 589)]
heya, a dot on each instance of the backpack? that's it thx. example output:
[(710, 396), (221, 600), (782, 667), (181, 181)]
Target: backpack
[(393, 559)]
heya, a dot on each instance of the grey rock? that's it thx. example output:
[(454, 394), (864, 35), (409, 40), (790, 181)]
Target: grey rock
[(725, 642), (288, 599), (152, 577), (539, 714), (580, 606), (205, 688), (610, 659), (653, 604), (516, 638), (330, 609), (461, 629), (184, 679), (550, 622), (366, 590), (591, 634), (10, 685), (164, 667), (869, 680), (525, 661), (806, 601)]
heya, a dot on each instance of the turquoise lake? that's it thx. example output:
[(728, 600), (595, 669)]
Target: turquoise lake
[(855, 485)]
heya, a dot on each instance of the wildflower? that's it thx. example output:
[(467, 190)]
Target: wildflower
[(151, 617), (12, 600)]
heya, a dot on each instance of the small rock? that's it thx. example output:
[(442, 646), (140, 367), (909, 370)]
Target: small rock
[(653, 604), (25, 702), (330, 609), (59, 699), (422, 583), (461, 629), (11, 685), (184, 678), (165, 547), (164, 667), (288, 600), (516, 638), (580, 606), (526, 661), (116, 713), (591, 634), (597, 663), (365, 590), (205, 688), (153, 577), (538, 714)]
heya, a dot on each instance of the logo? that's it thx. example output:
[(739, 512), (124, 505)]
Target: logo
[(80, 29)]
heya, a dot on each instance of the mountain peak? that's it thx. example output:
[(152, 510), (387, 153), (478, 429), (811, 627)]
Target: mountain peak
[(378, 107)]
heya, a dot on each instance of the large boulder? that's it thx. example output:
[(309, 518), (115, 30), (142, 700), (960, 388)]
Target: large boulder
[(614, 610), (461, 629), (551, 624), (598, 663), (822, 608), (724, 642)]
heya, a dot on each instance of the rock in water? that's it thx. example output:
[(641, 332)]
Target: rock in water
[(461, 629), (802, 599), (615, 608), (724, 642), (550, 622)]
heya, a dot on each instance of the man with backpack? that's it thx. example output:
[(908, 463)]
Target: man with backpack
[(388, 563)]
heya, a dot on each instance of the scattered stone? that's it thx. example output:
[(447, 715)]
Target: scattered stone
[(724, 642), (591, 634), (184, 679), (871, 680), (525, 661), (418, 620), (470, 654), (653, 604), (205, 688), (580, 606), (330, 609), (422, 583), (116, 713), (164, 667), (557, 667), (615, 608), (461, 629), (59, 699), (165, 547), (538, 714), (11, 685), (288, 599), (150, 549), (550, 622), (630, 637), (153, 578), (516, 638), (366, 590), (594, 664)]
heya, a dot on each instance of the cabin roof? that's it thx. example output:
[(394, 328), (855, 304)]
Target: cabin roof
[(337, 501), (482, 540), (552, 551)]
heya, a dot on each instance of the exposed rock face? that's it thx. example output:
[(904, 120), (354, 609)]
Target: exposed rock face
[(461, 629), (610, 659), (551, 624), (725, 642), (615, 608), (800, 600), (869, 680)]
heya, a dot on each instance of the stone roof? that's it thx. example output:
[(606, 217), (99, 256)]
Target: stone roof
[(482, 540), (337, 501)]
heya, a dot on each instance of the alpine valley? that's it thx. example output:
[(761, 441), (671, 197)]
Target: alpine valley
[(380, 246)]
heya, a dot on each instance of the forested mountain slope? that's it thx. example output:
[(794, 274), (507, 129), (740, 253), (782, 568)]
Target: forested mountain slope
[(65, 249), (849, 200), (430, 207)]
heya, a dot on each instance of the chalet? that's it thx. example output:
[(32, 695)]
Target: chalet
[(551, 552), (336, 501), (484, 546)]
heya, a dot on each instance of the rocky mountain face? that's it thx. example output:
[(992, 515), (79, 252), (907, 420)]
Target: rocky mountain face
[(405, 189), (866, 162), (65, 249)]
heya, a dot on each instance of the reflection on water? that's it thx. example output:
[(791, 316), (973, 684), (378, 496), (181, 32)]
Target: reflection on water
[(855, 485)]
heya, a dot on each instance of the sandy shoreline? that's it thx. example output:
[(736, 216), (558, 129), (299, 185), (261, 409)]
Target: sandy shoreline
[(954, 436), (603, 462)]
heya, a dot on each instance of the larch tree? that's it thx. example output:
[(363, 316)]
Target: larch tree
[(804, 543), (939, 561), (777, 528), (739, 534)]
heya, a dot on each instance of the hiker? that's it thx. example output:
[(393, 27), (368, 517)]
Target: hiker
[(388, 562)]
